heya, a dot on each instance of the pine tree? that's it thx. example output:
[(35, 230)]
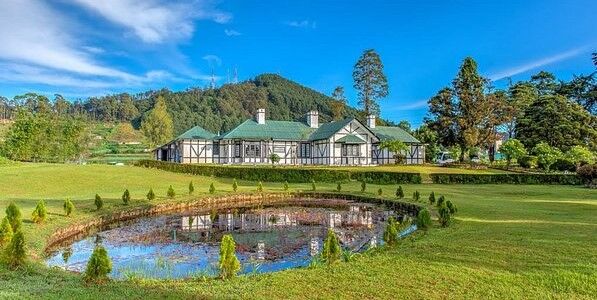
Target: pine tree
[(286, 187), (229, 264), (191, 188), (15, 252), (171, 192), (416, 196), (126, 197), (451, 207), (158, 126), (234, 185), (313, 187), (440, 201), (432, 198), (379, 192), (390, 235), (399, 192), (13, 214), (363, 186), (98, 266), (212, 188), (260, 186), (423, 219), (370, 81), (69, 207), (444, 215), (339, 187), (39, 213), (6, 232), (99, 203), (331, 251), (150, 194)]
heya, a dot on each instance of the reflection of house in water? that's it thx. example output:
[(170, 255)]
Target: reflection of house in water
[(357, 216), (229, 221)]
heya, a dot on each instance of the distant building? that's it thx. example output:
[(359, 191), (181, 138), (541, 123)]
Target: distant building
[(344, 142)]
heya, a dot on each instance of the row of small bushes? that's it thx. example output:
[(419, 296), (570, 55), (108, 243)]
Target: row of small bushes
[(563, 179), (293, 175)]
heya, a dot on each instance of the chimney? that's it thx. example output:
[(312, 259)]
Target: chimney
[(313, 119), (371, 121), (260, 116)]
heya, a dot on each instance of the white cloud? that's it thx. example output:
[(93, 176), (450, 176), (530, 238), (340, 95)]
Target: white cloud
[(302, 24), (212, 60), (408, 106), (94, 50), (509, 72), (153, 21), (231, 32)]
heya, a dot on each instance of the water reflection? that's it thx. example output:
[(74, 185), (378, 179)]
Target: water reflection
[(268, 239)]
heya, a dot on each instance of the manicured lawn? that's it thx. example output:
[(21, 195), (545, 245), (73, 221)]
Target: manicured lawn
[(507, 242)]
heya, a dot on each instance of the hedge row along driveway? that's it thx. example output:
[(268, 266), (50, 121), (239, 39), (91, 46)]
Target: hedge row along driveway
[(563, 179)]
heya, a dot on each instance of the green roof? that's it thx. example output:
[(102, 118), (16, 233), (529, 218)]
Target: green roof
[(350, 139), (325, 131), (275, 130), (196, 133), (385, 133)]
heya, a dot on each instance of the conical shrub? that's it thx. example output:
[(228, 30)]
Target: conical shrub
[(98, 266), (69, 207), (15, 253), (99, 203), (331, 251), (228, 264), (13, 214), (40, 212)]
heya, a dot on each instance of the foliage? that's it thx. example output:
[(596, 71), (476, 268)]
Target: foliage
[(587, 172), (125, 133), (68, 206), (98, 266), (370, 81), (40, 212), (379, 192), (395, 146), (191, 188), (150, 195), (546, 155), (212, 188), (518, 178), (580, 155), (423, 219), (126, 197), (286, 187), (331, 251), (260, 186), (390, 235), (444, 215), (363, 186), (338, 103), (528, 161), (274, 158), (157, 126), (416, 196), (563, 164), (6, 232), (441, 201), (451, 207), (429, 137), (313, 187), (339, 186), (99, 203), (171, 194), (15, 253), (513, 149), (13, 214), (432, 198), (234, 185), (229, 265)]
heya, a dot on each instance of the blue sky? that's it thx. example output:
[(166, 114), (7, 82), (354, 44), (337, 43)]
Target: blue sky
[(81, 48)]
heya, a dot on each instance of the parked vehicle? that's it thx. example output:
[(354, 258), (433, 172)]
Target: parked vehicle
[(444, 158)]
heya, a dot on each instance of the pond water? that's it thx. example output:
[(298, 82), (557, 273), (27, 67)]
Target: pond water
[(268, 239)]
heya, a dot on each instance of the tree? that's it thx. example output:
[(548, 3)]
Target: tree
[(191, 188), (338, 104), (512, 149), (339, 186), (580, 155), (150, 194), (443, 117), (13, 215), (546, 155), (416, 196), (313, 187), (157, 126), (127, 110), (229, 265), (451, 207), (124, 133), (399, 192), (260, 186), (583, 90), (331, 248), (68, 206), (370, 81), (390, 235), (212, 188), (98, 266), (286, 187), (444, 215), (126, 197), (363, 186), (99, 203), (429, 137), (40, 212), (432, 198), (274, 158), (234, 185), (396, 147), (545, 83), (423, 219), (6, 232), (15, 252), (520, 96), (171, 192)]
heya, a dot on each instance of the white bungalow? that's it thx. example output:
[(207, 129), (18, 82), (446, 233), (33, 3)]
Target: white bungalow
[(344, 142)]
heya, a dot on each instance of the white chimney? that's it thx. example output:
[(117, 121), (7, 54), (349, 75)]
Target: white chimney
[(371, 121), (313, 119), (260, 117)]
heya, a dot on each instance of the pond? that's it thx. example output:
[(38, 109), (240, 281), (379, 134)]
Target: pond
[(268, 238)]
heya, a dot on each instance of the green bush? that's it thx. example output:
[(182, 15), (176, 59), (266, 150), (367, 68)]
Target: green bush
[(399, 192), (229, 265), (98, 266), (587, 173), (99, 203), (212, 188), (331, 248), (234, 185), (292, 175), (363, 186), (528, 161), (260, 186), (286, 187), (432, 198), (191, 188), (444, 215), (126, 197), (451, 207), (379, 192), (390, 235), (423, 219), (6, 232), (13, 214), (69, 207), (39, 213), (416, 196), (564, 164), (339, 187), (171, 194), (15, 254), (150, 194), (441, 200), (313, 187), (515, 178)]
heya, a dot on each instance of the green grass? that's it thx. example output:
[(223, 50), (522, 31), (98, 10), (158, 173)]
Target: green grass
[(508, 241)]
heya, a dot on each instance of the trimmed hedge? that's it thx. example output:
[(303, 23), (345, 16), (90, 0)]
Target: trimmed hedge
[(527, 178), (281, 174)]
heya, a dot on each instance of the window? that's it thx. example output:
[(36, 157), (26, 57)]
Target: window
[(351, 150), (216, 148), (237, 149), (252, 150), (305, 150)]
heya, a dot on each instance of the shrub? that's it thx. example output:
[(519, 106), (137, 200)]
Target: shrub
[(39, 213), (451, 207), (363, 186), (563, 164), (441, 200), (379, 192), (15, 253), (432, 198), (339, 187), (579, 155), (69, 207), (126, 197), (171, 192), (99, 203), (212, 188), (517, 178), (286, 187), (13, 214), (229, 264), (313, 187), (274, 158), (546, 155), (6, 232), (234, 185), (331, 248), (416, 196), (399, 192), (390, 235), (528, 161), (444, 215), (98, 266), (260, 186), (512, 149), (150, 194), (191, 188), (423, 219), (588, 173)]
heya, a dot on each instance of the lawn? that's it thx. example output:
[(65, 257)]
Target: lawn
[(508, 241)]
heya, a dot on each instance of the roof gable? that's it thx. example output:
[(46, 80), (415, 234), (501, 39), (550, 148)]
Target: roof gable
[(326, 130), (196, 133), (275, 130), (385, 133)]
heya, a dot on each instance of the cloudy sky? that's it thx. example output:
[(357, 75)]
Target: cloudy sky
[(81, 48)]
